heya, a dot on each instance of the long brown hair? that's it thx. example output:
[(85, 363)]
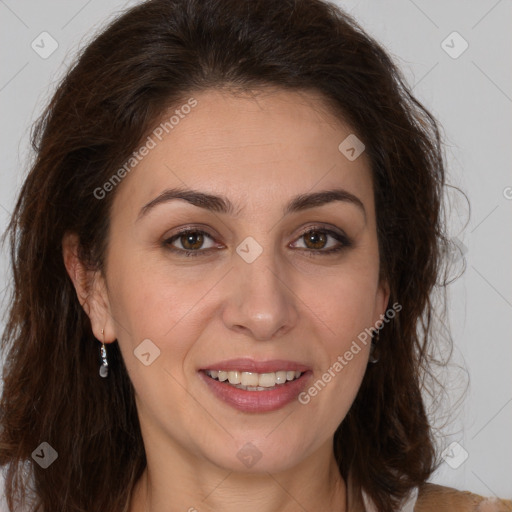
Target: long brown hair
[(154, 56)]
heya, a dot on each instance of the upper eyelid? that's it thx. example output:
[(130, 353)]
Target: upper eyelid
[(319, 227), (307, 229)]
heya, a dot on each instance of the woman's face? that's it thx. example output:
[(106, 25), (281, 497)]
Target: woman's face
[(262, 288)]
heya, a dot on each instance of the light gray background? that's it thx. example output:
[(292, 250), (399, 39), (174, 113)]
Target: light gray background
[(472, 98)]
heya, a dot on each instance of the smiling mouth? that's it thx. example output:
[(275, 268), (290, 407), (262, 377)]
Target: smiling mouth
[(251, 381)]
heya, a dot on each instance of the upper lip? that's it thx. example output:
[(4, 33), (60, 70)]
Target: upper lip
[(250, 365)]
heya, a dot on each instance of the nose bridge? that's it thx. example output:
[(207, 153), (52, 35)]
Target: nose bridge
[(259, 302)]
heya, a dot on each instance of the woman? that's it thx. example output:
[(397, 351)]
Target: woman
[(225, 196)]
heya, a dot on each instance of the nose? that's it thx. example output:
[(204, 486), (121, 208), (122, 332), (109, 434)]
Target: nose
[(260, 302)]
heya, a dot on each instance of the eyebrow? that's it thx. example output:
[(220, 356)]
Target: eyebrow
[(221, 204)]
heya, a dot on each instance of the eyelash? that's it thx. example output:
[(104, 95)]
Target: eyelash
[(342, 238)]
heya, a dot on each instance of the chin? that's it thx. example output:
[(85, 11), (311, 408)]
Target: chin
[(260, 454)]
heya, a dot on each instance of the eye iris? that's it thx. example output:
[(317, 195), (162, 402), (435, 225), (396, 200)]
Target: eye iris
[(191, 241), (316, 238)]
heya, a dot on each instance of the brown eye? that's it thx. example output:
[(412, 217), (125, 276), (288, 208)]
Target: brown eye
[(322, 241), (315, 239), (192, 241)]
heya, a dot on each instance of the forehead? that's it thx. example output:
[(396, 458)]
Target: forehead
[(260, 147)]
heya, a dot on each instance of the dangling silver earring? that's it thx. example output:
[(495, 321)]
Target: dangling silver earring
[(104, 364), (373, 356)]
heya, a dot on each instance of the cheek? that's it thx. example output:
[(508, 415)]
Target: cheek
[(344, 306), (151, 298), (151, 306), (344, 301), (332, 391), (345, 311), (148, 306)]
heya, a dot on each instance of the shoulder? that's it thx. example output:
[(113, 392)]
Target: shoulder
[(438, 498)]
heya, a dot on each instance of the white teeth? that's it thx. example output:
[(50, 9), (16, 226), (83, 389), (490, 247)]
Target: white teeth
[(280, 377), (252, 381), (234, 377), (249, 379), (267, 380)]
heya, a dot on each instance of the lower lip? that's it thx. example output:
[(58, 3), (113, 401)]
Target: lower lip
[(257, 401)]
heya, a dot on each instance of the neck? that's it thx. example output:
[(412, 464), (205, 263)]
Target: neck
[(315, 485)]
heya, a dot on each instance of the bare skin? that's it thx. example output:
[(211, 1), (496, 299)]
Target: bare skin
[(289, 303)]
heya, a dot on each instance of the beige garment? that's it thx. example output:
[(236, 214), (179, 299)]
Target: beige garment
[(440, 498), (433, 498)]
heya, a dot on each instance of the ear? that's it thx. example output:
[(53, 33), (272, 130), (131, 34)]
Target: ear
[(91, 290), (381, 299)]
